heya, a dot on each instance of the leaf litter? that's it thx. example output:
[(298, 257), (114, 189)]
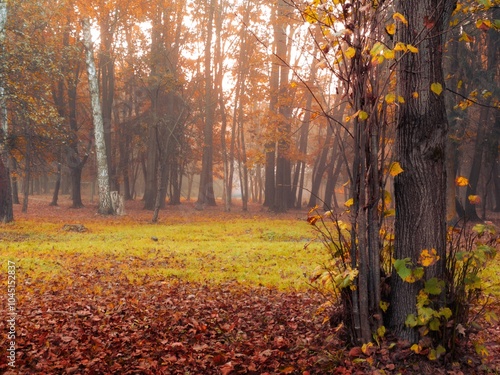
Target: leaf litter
[(99, 322)]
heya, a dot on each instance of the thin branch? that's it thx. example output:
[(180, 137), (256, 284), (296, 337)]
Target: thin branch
[(472, 100)]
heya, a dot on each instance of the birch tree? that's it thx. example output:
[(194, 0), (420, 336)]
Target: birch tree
[(105, 207)]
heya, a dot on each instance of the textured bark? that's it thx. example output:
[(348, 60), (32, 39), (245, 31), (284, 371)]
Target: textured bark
[(27, 172), (206, 189), (105, 207), (420, 191), (57, 187), (319, 168), (107, 28), (6, 209), (270, 146)]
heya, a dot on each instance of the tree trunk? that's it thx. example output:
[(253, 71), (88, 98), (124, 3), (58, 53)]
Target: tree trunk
[(206, 190), (6, 209), (483, 124), (27, 172), (319, 168), (219, 63), (15, 185), (107, 87), (420, 191), (100, 145), (57, 186)]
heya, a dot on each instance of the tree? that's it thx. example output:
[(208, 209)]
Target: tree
[(68, 54), (206, 189), (420, 191), (278, 167), (6, 210), (105, 207)]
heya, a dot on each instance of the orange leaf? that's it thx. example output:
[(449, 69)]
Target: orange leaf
[(399, 16), (461, 181), (474, 199)]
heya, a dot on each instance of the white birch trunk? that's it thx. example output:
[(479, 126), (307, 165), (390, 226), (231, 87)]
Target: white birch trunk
[(105, 206)]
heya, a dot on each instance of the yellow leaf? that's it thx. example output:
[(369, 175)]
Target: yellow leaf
[(415, 95), (487, 94), (395, 169), (350, 52), (391, 29), (366, 348), (390, 98), (389, 54), (436, 88), (363, 115), (483, 24), (411, 48), (389, 212), (378, 59), (461, 181), (466, 37), (428, 257), (401, 99), (384, 306), (474, 199), (416, 348), (400, 47), (349, 202), (459, 84), (376, 49), (399, 16)]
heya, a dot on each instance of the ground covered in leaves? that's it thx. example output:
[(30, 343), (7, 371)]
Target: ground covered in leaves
[(99, 322)]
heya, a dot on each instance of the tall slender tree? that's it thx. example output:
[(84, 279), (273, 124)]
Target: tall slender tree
[(6, 209), (206, 193), (105, 207)]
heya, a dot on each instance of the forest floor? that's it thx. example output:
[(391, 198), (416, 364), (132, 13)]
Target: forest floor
[(97, 320)]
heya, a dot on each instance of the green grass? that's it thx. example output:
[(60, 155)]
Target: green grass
[(254, 252)]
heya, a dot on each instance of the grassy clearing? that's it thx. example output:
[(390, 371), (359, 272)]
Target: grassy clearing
[(268, 252)]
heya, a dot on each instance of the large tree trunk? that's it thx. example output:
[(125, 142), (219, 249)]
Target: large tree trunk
[(319, 168), (283, 189), (206, 189), (57, 187), (107, 85), (420, 191), (6, 209), (105, 207)]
